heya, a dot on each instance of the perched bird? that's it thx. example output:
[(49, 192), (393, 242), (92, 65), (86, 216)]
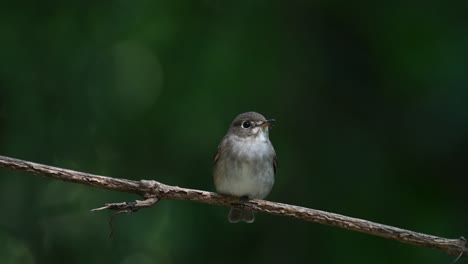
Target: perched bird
[(245, 163)]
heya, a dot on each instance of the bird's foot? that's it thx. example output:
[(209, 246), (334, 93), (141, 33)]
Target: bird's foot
[(244, 199)]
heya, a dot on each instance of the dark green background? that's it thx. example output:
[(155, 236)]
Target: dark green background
[(370, 99)]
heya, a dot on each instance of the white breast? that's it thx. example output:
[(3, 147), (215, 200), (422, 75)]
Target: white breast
[(247, 170)]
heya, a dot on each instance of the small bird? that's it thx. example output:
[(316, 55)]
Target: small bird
[(245, 163)]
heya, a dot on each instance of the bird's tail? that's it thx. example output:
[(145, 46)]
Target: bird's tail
[(236, 215)]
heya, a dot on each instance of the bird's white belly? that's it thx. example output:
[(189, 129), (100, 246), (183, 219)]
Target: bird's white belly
[(245, 182), (246, 172)]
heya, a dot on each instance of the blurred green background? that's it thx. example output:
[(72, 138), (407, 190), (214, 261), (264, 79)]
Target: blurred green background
[(370, 102)]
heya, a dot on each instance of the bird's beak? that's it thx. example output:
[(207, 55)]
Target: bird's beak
[(267, 123)]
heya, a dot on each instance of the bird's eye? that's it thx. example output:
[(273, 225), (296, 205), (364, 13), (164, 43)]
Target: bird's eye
[(246, 124)]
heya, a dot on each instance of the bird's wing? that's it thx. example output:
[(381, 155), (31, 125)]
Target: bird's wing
[(218, 153), (216, 156), (275, 164)]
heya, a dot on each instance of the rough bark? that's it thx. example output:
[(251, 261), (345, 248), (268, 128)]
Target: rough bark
[(153, 191)]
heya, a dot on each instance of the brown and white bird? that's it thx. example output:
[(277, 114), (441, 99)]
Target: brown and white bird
[(245, 163)]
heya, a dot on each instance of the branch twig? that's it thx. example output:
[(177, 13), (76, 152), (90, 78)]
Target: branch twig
[(153, 191)]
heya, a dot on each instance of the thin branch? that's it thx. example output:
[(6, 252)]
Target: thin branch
[(153, 191)]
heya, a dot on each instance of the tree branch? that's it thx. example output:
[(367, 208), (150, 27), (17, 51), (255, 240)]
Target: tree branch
[(153, 191)]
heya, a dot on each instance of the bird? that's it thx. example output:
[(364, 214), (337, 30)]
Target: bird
[(245, 163)]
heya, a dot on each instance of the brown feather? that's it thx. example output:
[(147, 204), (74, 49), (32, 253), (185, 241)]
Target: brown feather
[(215, 159), (275, 165)]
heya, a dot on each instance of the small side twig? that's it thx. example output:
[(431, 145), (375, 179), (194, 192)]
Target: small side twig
[(126, 207), (461, 251)]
